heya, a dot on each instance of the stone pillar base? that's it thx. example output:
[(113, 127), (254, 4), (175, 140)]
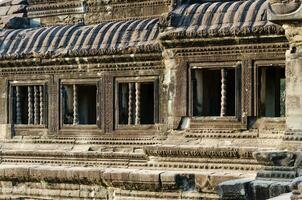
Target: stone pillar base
[(5, 131)]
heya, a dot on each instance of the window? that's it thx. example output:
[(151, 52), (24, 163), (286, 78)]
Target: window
[(29, 104), (79, 104), (214, 91), (136, 102), (271, 91)]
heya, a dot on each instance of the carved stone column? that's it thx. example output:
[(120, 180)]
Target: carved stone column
[(30, 106), (41, 104), (75, 106), (18, 106), (289, 15), (137, 103), (36, 105), (223, 94), (131, 87)]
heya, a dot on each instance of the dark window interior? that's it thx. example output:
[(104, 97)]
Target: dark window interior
[(127, 111), (271, 83), (147, 103), (86, 104), (23, 105), (206, 84), (123, 92)]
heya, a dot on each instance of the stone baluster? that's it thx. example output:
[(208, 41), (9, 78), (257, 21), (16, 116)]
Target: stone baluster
[(223, 93), (137, 103), (75, 106), (36, 105), (131, 87), (30, 105), (18, 106), (41, 104)]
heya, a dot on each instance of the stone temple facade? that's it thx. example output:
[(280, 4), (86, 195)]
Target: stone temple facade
[(151, 99)]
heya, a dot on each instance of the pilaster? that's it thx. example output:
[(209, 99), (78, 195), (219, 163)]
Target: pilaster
[(289, 15)]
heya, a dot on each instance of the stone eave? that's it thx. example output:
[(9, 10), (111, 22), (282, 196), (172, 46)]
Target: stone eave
[(83, 58)]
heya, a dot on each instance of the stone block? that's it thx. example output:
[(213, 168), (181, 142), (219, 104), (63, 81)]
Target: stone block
[(145, 180), (168, 181), (185, 182), (4, 10), (69, 193), (116, 177), (286, 196), (5, 131), (6, 187), (16, 9), (16, 172), (15, 21), (84, 175), (235, 189), (209, 182), (261, 189), (50, 174), (295, 183), (16, 2), (278, 188), (106, 177), (202, 182)]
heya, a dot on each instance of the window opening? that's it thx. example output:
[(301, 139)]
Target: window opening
[(214, 92), (79, 104), (136, 103), (271, 83), (29, 104)]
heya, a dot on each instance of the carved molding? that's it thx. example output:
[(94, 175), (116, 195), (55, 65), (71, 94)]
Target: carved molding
[(202, 152)]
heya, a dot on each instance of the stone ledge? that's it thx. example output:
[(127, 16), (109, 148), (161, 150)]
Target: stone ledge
[(128, 179)]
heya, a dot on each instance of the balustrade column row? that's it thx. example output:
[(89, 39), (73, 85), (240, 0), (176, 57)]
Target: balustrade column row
[(34, 105)]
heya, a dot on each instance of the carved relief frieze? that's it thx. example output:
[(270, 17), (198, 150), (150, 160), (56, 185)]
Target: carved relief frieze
[(223, 152), (99, 11), (232, 50), (57, 8)]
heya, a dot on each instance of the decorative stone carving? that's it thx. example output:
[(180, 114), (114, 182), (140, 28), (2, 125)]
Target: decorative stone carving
[(280, 7), (276, 158)]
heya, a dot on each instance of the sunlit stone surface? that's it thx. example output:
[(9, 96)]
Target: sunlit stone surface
[(150, 99)]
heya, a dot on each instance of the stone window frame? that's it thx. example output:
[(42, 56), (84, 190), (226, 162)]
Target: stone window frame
[(85, 127), (14, 83), (238, 101), (257, 65), (141, 79)]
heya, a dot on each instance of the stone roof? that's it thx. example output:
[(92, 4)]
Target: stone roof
[(208, 19), (228, 18), (77, 39)]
